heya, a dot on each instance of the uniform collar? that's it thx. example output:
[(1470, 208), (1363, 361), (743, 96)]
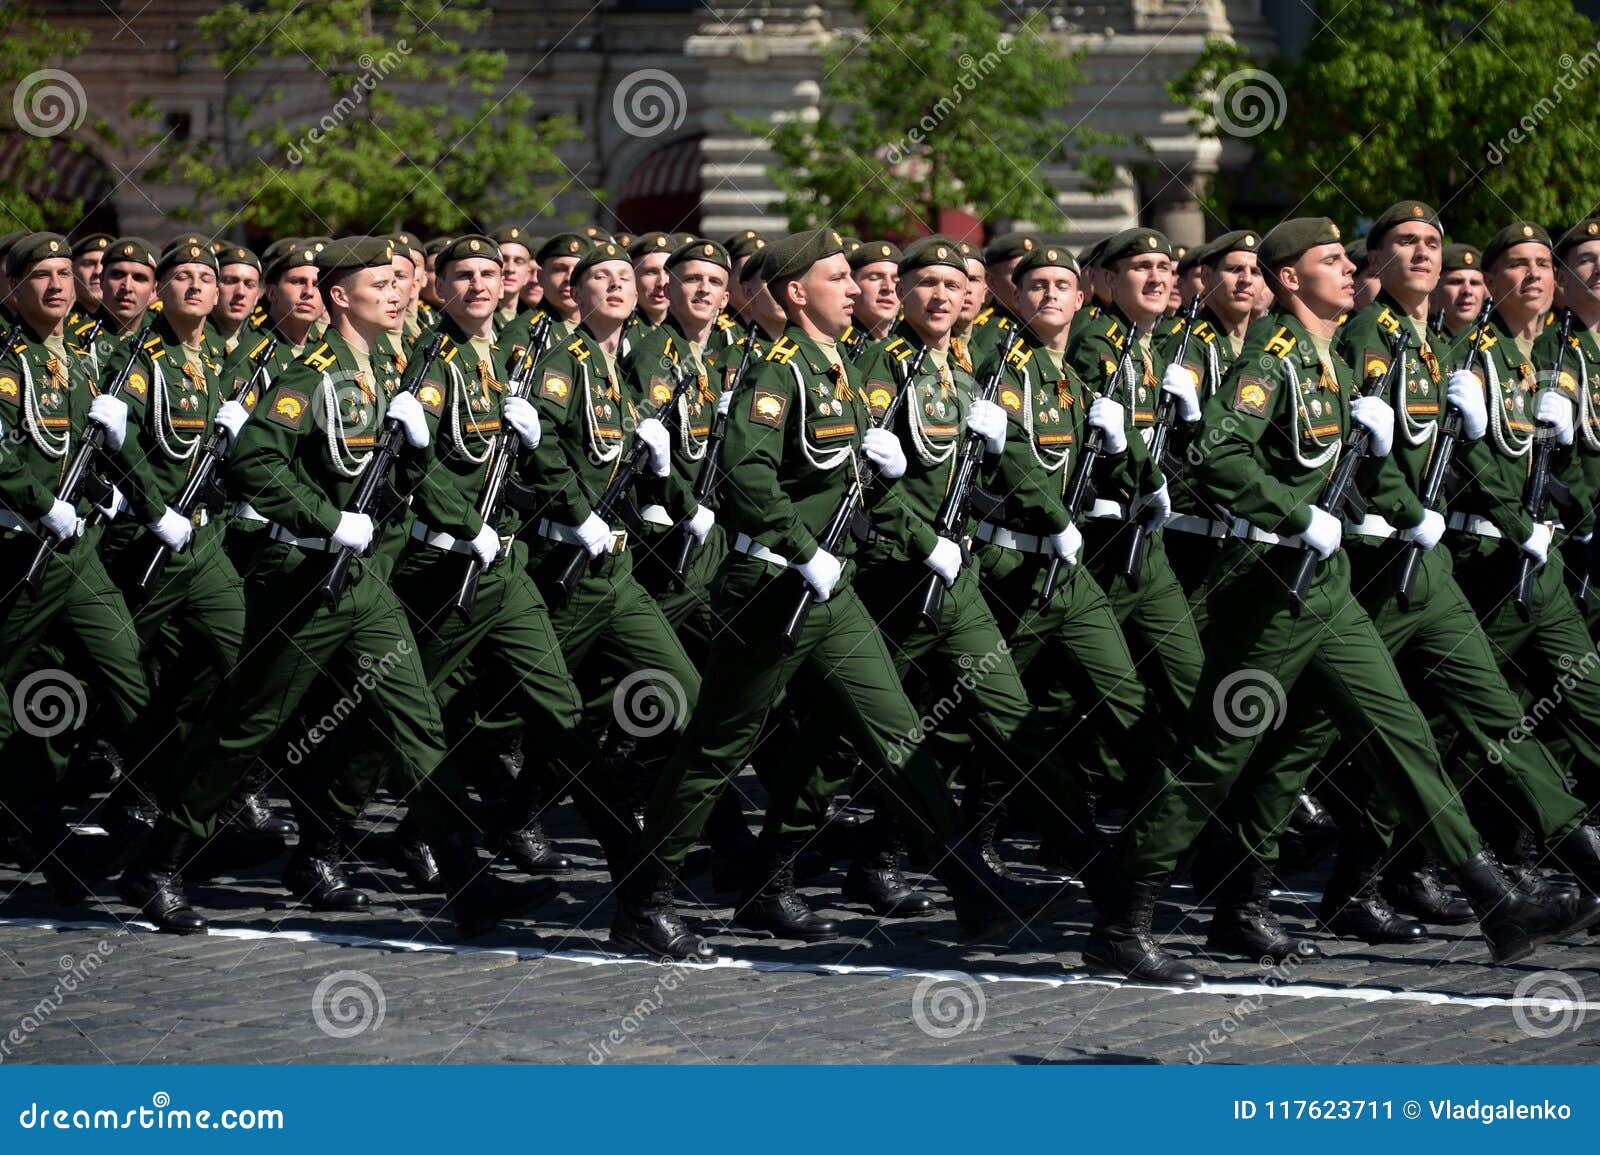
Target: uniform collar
[(811, 350)]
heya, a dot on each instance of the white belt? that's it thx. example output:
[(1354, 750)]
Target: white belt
[(1104, 507), (1203, 526), (1242, 528), (1371, 526), (1009, 539), (656, 515), (445, 541), (243, 509), (320, 544), (1472, 523), (557, 531), (746, 544)]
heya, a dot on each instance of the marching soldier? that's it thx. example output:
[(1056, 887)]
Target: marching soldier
[(649, 254), (874, 265), (556, 259), (88, 253), (1000, 257), (517, 258), (238, 293), (1458, 298), (127, 286)]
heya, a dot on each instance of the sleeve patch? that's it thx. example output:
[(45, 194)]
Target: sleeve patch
[(431, 397), (767, 407), (660, 390), (556, 387), (1252, 396), (9, 387), (1376, 366), (137, 385), (289, 409), (1011, 400), (880, 395)]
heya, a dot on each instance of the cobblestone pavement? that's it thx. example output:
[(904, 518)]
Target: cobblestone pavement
[(275, 984)]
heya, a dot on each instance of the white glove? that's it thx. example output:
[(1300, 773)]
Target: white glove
[(524, 418), (1160, 502), (821, 573), (173, 530), (1324, 533), (1108, 416), (354, 532), (111, 414), (655, 437), (988, 421), (1538, 544), (232, 417), (487, 544), (115, 505), (945, 560), (1428, 532), (1466, 393), (1557, 411), (724, 399), (1067, 544), (700, 523), (407, 410), (883, 448), (62, 521), (595, 535), (1179, 382), (1378, 416)]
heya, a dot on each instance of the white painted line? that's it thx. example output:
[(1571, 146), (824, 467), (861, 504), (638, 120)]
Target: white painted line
[(761, 966)]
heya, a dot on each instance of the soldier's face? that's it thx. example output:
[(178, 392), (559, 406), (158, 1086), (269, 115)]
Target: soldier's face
[(556, 277), (189, 291), (429, 290), (533, 291), (1580, 276), (472, 290), (403, 272), (1460, 295), (1192, 282), (878, 301), (1408, 259), (369, 298), (1048, 299), (698, 290), (1000, 286), (127, 289), (1264, 299), (238, 291), (295, 295), (1232, 285), (650, 275), (608, 293), (43, 295), (1523, 278), (977, 291), (86, 277), (1323, 279), (933, 299), (1142, 285), (518, 267)]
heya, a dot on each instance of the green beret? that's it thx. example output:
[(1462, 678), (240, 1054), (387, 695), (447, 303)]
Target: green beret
[(93, 243), (1090, 257), (743, 243), (509, 235), (596, 233), (407, 241), (646, 243), (238, 255), (1135, 242), (1046, 256), (1356, 250), (182, 253), (1008, 246), (755, 266), (1238, 241), (1460, 256), (926, 252), (10, 239), (871, 252), (340, 258), (1399, 214), (317, 243), (433, 247), (971, 252), (33, 248), (1519, 233), (277, 248), (624, 239), (794, 255), (851, 244), (187, 240), (681, 239), (1286, 240), (1191, 257), (130, 249), (469, 246), (563, 245), (598, 254), (1585, 230), (701, 250), (285, 259)]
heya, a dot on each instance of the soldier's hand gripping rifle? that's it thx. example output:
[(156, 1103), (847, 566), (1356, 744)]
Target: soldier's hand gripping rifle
[(1539, 479), (388, 448), (212, 454), (1094, 446), (617, 492), (1444, 446), (706, 482), (94, 439), (505, 457), (1166, 418), (1341, 488), (832, 539), (952, 517)]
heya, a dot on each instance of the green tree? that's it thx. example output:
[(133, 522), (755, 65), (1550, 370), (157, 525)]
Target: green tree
[(384, 150), (45, 109), (1482, 108), (928, 107)]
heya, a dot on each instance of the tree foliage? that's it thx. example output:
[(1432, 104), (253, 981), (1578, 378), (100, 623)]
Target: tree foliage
[(53, 115)]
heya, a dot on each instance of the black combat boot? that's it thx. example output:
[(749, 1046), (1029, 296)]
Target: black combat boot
[(314, 873), (775, 906), (1578, 853), (648, 922), (987, 901), (1243, 922), (1353, 905), (476, 899), (153, 881), (983, 806), (1514, 919), (875, 879), (409, 853), (1310, 836), (253, 811), (1121, 941), (1411, 885)]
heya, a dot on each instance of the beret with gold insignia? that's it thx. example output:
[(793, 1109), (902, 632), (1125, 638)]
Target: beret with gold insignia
[(1516, 233), (701, 250), (743, 243), (794, 255), (971, 252), (467, 247), (1287, 240), (1135, 242), (1008, 247), (563, 245), (1238, 241), (1046, 256), (295, 256), (646, 243), (926, 252), (598, 254), (871, 252), (238, 255), (681, 239), (406, 242), (33, 248), (510, 235), (755, 267), (624, 239), (134, 250), (1398, 214), (1459, 256), (433, 247), (93, 243), (352, 254), (1585, 230)]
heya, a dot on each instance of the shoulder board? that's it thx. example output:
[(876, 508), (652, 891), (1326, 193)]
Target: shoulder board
[(155, 348), (578, 348), (984, 315), (898, 348), (782, 349), (1282, 343), (448, 350), (1094, 311), (1020, 356), (256, 352), (725, 322), (1206, 331), (1388, 322), (1113, 332), (1487, 340), (321, 358), (671, 348), (1177, 327), (1003, 322), (87, 324)]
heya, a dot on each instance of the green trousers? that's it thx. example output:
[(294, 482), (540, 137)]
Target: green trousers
[(1262, 659), (1156, 611)]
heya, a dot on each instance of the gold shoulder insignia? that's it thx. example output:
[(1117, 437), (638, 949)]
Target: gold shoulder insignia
[(782, 350), (1020, 356), (256, 352), (1113, 332), (1388, 322), (725, 322), (984, 316), (899, 348), (155, 348), (1206, 331), (1487, 340), (578, 349), (1282, 343), (321, 358)]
